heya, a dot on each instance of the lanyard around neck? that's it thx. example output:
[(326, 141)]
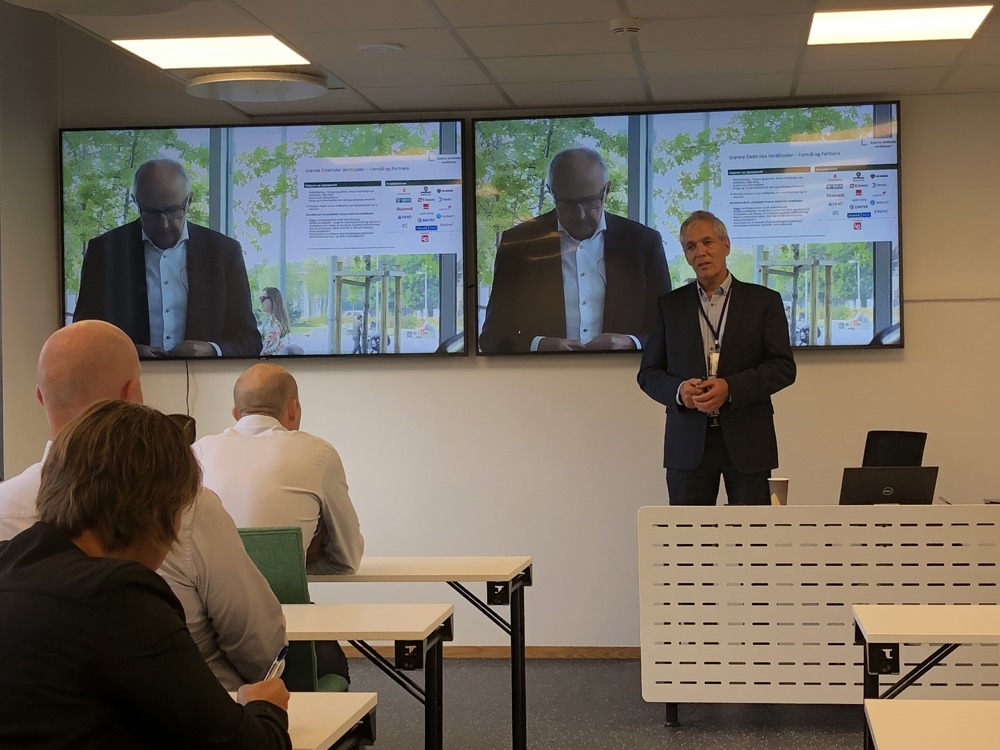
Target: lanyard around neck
[(722, 317)]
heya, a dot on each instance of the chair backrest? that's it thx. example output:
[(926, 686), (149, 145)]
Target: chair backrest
[(894, 448), (277, 553)]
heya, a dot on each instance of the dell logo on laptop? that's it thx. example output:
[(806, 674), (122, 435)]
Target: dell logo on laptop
[(887, 491)]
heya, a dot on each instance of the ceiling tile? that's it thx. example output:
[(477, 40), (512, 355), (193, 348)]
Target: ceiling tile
[(729, 32), (404, 73), (556, 68), (543, 39), (339, 101), (882, 56), (464, 13), (695, 88), (714, 8), (577, 93), (973, 78), (289, 16), (206, 18), (722, 62), (887, 82), (424, 98), (330, 47), (982, 52)]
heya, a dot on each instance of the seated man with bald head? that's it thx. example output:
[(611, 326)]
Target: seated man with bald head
[(231, 613), (270, 473)]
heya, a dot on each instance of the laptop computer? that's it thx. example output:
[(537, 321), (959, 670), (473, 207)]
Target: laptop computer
[(897, 485)]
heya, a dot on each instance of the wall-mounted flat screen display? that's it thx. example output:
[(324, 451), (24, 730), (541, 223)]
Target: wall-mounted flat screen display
[(577, 221), (274, 240)]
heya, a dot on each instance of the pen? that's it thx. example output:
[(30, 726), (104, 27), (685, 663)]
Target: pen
[(278, 665)]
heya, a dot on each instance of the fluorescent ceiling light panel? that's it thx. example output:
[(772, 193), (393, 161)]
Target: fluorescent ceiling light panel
[(213, 52), (902, 25)]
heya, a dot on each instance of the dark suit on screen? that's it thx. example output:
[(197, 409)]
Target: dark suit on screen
[(755, 360), (113, 288), (527, 297)]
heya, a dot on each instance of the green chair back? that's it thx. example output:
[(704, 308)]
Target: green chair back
[(277, 553)]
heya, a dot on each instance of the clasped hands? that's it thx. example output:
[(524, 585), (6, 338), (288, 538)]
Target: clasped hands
[(188, 348), (706, 396), (606, 341)]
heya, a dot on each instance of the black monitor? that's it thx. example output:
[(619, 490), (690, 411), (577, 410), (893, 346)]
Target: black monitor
[(895, 485)]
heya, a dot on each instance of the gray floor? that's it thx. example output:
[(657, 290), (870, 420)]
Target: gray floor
[(584, 704)]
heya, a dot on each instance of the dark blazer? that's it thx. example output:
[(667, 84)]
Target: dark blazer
[(113, 288), (756, 361), (96, 655), (527, 297)]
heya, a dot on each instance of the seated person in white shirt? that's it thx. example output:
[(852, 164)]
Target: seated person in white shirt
[(268, 472), (231, 613)]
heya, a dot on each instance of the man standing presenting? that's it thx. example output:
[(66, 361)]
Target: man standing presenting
[(231, 613), (176, 288), (577, 277), (718, 348)]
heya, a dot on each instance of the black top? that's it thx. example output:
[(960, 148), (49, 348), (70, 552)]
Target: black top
[(94, 653)]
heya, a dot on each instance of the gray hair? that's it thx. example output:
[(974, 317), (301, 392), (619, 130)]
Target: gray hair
[(717, 224), (569, 155), (154, 165)]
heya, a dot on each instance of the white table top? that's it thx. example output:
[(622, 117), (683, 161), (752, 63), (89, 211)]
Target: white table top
[(412, 569), (367, 622), (929, 623), (901, 724), (317, 720)]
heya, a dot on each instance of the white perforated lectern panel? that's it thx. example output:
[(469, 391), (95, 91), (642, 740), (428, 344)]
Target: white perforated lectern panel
[(753, 604)]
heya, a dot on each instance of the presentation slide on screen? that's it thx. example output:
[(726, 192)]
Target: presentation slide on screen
[(386, 205), (827, 191)]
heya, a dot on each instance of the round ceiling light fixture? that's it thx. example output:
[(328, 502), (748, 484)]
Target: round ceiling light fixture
[(380, 48), (257, 86), (102, 7)]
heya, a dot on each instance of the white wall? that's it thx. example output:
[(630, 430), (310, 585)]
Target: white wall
[(29, 221), (550, 457)]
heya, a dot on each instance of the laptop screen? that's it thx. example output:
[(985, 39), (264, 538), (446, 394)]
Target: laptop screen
[(897, 485)]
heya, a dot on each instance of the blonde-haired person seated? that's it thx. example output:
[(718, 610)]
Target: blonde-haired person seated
[(93, 646)]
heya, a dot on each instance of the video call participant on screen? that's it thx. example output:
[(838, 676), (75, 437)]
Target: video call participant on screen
[(718, 348), (577, 277), (176, 288), (268, 472), (92, 642), (231, 613)]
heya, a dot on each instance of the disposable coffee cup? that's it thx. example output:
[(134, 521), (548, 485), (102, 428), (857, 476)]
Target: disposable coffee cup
[(779, 490)]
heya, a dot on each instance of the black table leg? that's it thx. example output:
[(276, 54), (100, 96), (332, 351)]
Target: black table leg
[(434, 697), (518, 693)]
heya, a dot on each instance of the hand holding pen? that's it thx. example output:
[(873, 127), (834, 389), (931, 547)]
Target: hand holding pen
[(270, 688)]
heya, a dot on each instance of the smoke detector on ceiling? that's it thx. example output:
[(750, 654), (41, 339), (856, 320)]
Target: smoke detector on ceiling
[(626, 26)]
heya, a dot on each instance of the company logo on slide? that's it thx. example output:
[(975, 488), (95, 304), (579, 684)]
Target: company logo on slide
[(425, 238), (835, 203), (834, 186), (857, 225), (834, 195), (404, 200)]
